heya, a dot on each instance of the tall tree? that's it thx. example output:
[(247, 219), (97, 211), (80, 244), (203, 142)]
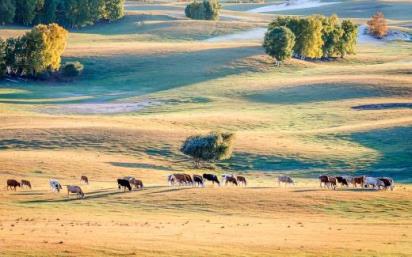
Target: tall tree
[(347, 43), (331, 35), (25, 11), (377, 25), (312, 38), (279, 43), (7, 11), (49, 11)]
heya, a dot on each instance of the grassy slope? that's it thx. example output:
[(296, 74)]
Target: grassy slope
[(294, 119)]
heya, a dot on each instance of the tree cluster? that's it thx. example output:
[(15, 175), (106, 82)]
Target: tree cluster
[(312, 37), (35, 54), (212, 147), (68, 13), (205, 10), (377, 25)]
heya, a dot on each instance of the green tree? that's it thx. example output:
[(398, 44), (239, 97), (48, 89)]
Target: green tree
[(3, 66), (212, 147), (331, 35), (7, 11), (279, 43), (49, 11), (114, 9), (206, 10), (25, 11), (347, 43)]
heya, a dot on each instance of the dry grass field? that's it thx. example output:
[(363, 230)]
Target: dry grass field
[(152, 79)]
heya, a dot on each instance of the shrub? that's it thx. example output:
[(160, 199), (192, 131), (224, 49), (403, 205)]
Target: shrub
[(212, 147), (206, 10), (377, 25), (72, 69), (279, 43)]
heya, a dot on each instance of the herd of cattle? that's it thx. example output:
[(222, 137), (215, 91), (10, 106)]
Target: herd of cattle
[(182, 179)]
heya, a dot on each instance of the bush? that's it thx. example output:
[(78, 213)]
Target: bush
[(212, 147), (72, 69), (206, 10), (377, 25), (279, 43)]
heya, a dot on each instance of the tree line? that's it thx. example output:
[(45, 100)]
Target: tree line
[(35, 54), (312, 37), (67, 13)]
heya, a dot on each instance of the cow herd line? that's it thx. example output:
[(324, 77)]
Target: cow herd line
[(183, 179)]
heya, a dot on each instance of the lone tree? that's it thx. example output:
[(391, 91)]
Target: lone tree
[(205, 10), (377, 25), (279, 43), (212, 147)]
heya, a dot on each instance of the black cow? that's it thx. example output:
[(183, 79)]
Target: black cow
[(342, 180), (211, 177), (124, 183), (198, 180)]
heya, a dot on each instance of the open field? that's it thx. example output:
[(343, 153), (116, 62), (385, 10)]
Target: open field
[(150, 81)]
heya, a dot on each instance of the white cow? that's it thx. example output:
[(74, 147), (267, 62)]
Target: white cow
[(374, 182), (55, 185)]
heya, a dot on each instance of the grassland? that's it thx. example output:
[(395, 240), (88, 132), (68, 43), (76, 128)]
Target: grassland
[(167, 83)]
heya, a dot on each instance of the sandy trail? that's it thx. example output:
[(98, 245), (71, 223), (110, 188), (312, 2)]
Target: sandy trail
[(291, 5)]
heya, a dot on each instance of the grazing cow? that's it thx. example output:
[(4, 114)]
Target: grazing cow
[(124, 183), (188, 179), (171, 180), (332, 182), (358, 180), (84, 179), (198, 180), (55, 185), (181, 179), (75, 190), (231, 180), (286, 180), (137, 183), (25, 183), (241, 180), (225, 176), (374, 182), (324, 180), (211, 177), (327, 181), (342, 181), (12, 183), (388, 183)]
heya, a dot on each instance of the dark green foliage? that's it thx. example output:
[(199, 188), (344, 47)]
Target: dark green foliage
[(68, 13), (72, 69), (212, 147), (114, 9), (206, 10), (279, 43), (7, 11), (25, 11), (319, 36), (3, 67)]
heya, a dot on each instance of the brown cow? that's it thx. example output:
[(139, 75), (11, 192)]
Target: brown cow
[(25, 183), (137, 183), (12, 183), (332, 182), (358, 180), (84, 179), (177, 178), (241, 180), (75, 190), (189, 180), (231, 180)]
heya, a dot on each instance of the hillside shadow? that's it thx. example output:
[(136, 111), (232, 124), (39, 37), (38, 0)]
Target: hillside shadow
[(384, 106), (325, 92), (109, 78)]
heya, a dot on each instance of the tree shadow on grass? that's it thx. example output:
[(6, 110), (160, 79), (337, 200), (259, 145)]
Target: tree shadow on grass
[(141, 166)]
